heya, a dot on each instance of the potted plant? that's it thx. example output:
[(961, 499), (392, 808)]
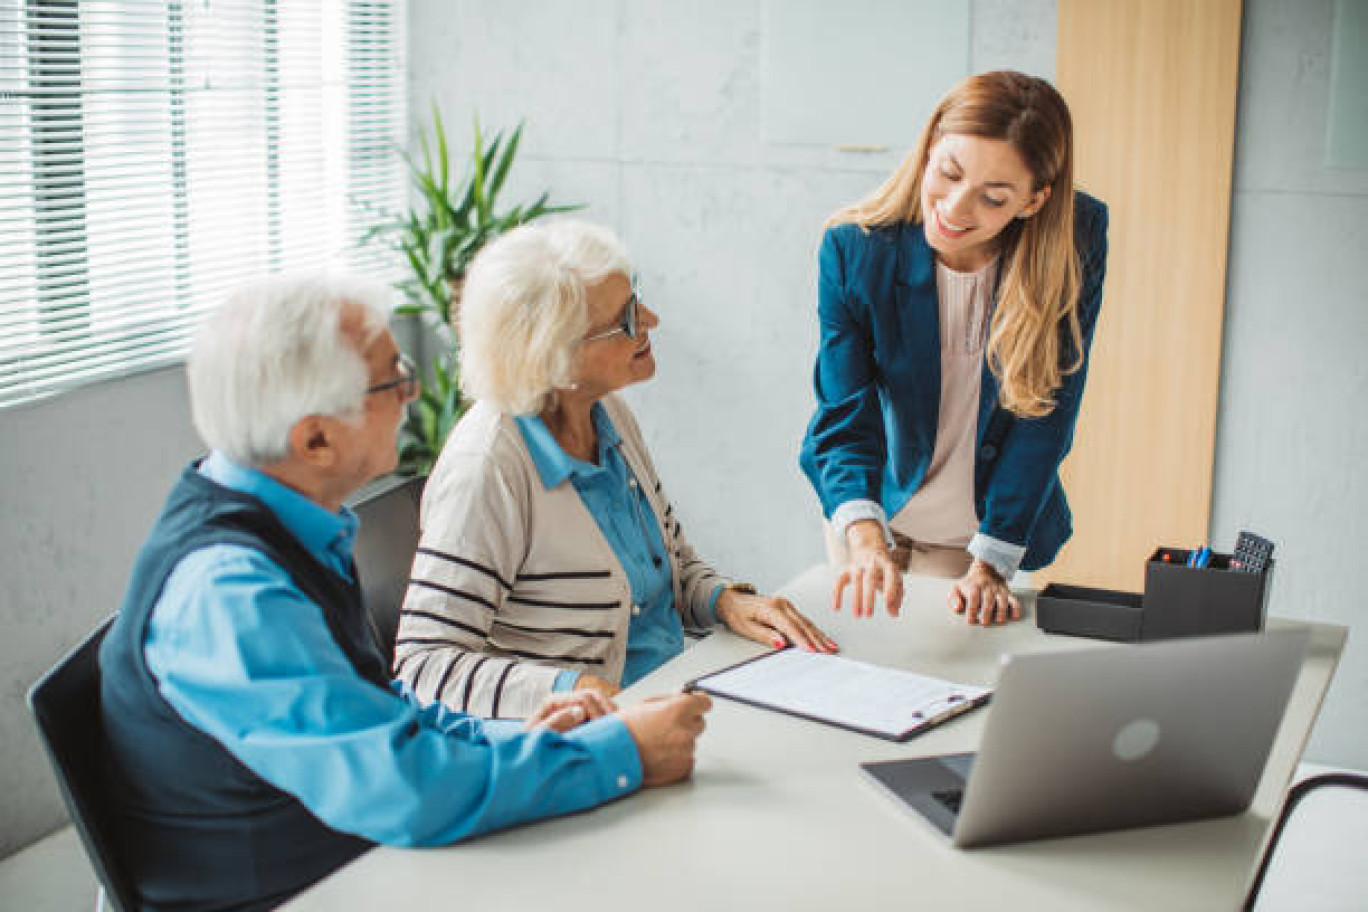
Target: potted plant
[(438, 237)]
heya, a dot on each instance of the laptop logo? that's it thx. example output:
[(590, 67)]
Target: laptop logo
[(1136, 739)]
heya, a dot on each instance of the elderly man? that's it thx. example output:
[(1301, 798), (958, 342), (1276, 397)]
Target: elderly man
[(255, 742)]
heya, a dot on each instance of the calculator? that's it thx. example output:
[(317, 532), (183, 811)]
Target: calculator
[(1252, 553)]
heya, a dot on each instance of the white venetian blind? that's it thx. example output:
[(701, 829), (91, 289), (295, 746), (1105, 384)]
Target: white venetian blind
[(154, 156)]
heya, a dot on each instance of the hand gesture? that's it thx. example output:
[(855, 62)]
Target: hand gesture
[(563, 711), (771, 620), (666, 730), (594, 683), (870, 570), (982, 595)]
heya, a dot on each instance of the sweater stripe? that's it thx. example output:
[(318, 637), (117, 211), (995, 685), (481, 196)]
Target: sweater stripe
[(498, 690), (586, 606), (568, 574), (444, 620), (470, 683), (459, 593), (571, 631), (465, 562), (523, 654)]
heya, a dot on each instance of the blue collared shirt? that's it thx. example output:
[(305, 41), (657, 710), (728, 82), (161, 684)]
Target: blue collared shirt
[(619, 506), (243, 655)]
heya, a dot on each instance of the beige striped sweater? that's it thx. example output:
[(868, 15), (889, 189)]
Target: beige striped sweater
[(514, 582)]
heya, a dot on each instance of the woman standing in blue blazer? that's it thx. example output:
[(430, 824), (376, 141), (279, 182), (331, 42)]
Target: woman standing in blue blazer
[(957, 304)]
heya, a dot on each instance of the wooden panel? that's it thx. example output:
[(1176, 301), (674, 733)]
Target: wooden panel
[(1151, 85)]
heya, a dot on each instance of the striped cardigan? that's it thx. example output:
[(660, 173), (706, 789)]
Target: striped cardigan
[(513, 582)]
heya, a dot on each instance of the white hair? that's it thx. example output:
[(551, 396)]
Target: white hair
[(274, 353), (524, 311)]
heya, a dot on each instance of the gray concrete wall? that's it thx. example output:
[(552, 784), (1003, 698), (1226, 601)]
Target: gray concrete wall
[(654, 114), (81, 479), (1294, 383)]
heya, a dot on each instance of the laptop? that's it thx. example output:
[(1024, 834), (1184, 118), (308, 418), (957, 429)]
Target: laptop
[(1110, 738)]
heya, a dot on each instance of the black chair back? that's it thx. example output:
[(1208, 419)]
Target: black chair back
[(1335, 853), (66, 705), (385, 546)]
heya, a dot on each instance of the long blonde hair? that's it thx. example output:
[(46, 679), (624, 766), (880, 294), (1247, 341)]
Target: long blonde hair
[(1038, 292)]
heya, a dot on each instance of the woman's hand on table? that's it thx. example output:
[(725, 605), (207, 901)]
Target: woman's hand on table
[(871, 569), (983, 597), (563, 711), (594, 684), (771, 620)]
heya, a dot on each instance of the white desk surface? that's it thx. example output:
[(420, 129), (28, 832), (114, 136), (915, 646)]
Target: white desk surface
[(779, 816)]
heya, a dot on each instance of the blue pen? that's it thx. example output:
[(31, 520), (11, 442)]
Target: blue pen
[(1192, 557), (1203, 556)]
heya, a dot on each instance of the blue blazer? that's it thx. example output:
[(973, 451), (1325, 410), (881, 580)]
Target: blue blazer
[(878, 388)]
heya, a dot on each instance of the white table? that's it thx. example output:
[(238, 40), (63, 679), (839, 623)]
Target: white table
[(778, 815)]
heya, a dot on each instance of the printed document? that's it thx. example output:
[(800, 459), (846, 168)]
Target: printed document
[(887, 702)]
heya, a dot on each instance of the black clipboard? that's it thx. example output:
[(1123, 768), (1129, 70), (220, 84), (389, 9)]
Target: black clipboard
[(927, 722)]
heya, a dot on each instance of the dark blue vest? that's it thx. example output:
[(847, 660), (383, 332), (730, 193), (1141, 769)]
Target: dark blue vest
[(196, 829)]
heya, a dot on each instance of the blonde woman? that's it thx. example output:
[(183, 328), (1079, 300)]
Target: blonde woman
[(550, 557), (957, 304)]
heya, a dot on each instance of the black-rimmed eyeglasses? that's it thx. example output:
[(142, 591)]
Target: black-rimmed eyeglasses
[(629, 325), (406, 383)]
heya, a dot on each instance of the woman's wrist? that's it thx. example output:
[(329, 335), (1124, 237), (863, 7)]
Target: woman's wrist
[(982, 566), (866, 534)]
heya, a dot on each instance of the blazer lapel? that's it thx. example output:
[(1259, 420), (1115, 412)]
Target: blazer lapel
[(917, 317), (988, 385)]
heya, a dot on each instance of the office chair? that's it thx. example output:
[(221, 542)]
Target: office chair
[(66, 706), (1314, 860), (384, 551)]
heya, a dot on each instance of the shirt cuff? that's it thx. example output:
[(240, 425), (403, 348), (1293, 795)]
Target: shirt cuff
[(710, 619), (855, 510), (619, 764), (1004, 557), (565, 681)]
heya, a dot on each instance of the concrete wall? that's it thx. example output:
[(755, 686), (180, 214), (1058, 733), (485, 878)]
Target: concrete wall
[(653, 113), (1294, 383), (81, 479)]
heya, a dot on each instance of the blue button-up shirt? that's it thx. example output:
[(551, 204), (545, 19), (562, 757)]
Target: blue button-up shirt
[(614, 497), (243, 655)]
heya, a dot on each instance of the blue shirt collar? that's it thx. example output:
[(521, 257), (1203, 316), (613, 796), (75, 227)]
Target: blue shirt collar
[(554, 465), (328, 536)]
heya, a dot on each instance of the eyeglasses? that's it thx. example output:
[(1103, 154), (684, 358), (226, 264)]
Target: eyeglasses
[(630, 325), (406, 383)]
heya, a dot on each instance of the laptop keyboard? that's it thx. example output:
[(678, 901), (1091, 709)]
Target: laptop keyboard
[(951, 798)]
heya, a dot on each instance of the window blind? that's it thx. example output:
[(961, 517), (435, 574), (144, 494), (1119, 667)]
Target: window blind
[(155, 156)]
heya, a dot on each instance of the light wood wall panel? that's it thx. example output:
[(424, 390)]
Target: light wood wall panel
[(1151, 85)]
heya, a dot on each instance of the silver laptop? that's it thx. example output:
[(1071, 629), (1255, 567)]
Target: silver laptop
[(1109, 738)]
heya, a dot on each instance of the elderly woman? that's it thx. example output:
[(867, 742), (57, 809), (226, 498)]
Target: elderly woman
[(550, 557)]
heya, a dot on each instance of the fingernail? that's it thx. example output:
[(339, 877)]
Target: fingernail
[(778, 643), (577, 711)]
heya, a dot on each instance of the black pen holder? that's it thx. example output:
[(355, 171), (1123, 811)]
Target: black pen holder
[(1193, 601), (1178, 601)]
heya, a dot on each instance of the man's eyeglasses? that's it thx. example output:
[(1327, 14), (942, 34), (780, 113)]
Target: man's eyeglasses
[(406, 383), (629, 326)]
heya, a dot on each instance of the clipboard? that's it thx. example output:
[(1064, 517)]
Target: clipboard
[(886, 703)]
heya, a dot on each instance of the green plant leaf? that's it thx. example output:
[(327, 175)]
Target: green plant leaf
[(505, 162)]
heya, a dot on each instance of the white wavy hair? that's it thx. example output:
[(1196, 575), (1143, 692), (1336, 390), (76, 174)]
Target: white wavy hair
[(524, 311), (274, 353)]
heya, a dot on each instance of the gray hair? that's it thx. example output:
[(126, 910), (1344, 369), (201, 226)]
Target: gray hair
[(274, 353), (524, 310)]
